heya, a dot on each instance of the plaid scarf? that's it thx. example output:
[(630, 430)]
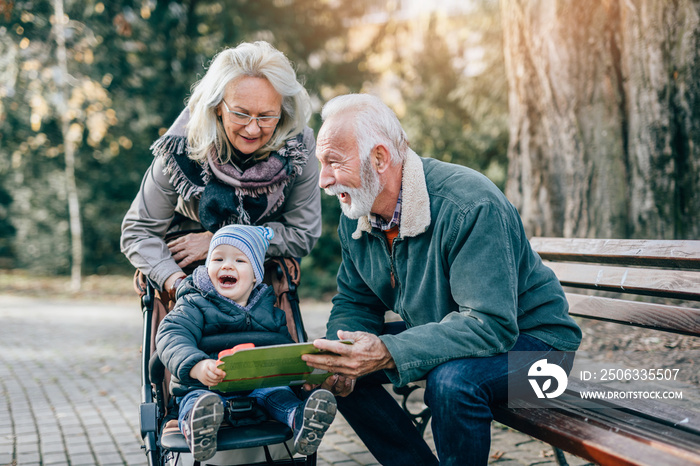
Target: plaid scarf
[(228, 194)]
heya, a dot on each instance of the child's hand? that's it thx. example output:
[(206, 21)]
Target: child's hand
[(206, 372)]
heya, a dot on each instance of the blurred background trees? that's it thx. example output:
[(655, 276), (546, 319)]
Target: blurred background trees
[(597, 142), (131, 65)]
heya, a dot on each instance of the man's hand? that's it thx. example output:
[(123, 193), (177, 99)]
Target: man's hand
[(190, 248), (206, 372), (367, 354), (338, 385)]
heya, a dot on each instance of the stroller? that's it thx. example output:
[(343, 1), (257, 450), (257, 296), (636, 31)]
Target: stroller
[(252, 439)]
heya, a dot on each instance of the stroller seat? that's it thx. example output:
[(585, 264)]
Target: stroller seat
[(230, 438)]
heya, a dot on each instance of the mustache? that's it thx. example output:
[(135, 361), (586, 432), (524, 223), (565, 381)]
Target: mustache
[(337, 189)]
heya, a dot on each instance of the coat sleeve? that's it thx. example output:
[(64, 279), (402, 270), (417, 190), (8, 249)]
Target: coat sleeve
[(299, 227), (177, 339), (146, 223)]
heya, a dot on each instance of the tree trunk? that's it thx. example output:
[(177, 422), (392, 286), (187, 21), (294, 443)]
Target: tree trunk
[(69, 145), (604, 103)]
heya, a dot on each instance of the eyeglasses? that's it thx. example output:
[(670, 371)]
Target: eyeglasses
[(245, 119)]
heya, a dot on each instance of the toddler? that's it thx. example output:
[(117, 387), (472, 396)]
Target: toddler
[(223, 296)]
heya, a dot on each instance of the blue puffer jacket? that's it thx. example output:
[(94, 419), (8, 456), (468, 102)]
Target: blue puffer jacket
[(198, 314), (461, 274)]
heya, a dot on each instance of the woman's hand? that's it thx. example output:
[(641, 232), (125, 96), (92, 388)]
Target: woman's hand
[(206, 372), (171, 284), (190, 248)]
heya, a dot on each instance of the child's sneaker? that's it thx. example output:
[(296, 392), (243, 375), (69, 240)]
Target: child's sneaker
[(312, 419), (202, 426)]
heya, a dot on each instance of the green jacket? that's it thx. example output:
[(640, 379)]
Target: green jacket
[(465, 279)]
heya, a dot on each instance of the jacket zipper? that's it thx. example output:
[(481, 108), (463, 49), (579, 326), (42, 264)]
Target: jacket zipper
[(390, 254), (392, 274), (247, 320)]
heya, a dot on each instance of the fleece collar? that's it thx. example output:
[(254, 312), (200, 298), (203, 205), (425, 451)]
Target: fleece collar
[(415, 204)]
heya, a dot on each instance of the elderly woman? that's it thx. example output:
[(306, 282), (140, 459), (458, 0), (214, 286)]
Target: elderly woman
[(240, 153)]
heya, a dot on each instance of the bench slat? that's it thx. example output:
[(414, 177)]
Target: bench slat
[(602, 440), (663, 412), (681, 284), (680, 254), (675, 319)]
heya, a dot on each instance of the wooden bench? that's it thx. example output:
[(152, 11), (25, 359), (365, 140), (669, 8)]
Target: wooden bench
[(640, 283)]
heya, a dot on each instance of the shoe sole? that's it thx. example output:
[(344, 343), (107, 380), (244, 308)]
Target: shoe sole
[(319, 412), (206, 417)]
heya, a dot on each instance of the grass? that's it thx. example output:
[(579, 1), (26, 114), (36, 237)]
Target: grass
[(94, 287), (114, 288)]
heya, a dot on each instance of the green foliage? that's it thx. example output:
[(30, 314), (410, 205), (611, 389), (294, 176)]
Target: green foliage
[(456, 108), (7, 230)]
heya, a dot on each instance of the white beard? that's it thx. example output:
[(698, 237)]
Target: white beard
[(362, 198)]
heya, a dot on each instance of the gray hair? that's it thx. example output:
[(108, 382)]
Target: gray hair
[(374, 124), (258, 59)]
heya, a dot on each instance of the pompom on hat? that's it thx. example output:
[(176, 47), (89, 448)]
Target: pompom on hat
[(250, 240)]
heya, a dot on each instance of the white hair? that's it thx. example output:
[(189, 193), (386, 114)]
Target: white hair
[(374, 124), (258, 59)]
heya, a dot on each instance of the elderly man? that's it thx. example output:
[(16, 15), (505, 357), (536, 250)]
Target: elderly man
[(440, 245)]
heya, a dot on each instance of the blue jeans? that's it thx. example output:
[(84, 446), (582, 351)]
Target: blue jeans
[(280, 403), (459, 394)]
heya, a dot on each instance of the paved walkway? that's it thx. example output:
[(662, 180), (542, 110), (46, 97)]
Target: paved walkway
[(70, 386)]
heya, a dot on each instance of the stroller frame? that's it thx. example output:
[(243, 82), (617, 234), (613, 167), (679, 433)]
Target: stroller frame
[(283, 274)]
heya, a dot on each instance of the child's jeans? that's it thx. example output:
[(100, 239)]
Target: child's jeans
[(279, 403)]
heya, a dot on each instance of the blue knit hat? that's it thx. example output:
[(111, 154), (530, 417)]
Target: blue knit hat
[(250, 240)]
